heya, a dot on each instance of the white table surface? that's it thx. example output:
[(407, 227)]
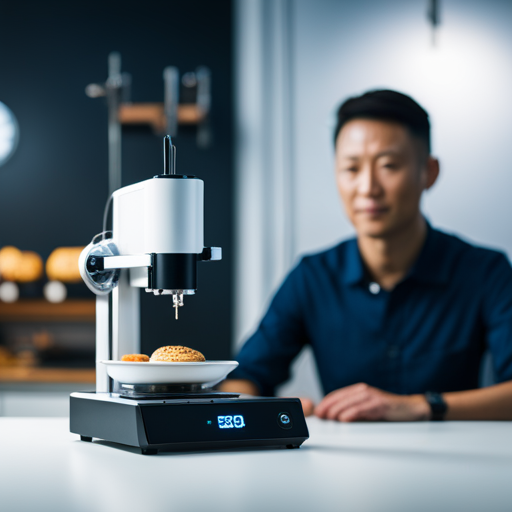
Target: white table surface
[(413, 467)]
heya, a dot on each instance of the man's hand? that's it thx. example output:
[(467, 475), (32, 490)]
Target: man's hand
[(308, 407), (361, 402)]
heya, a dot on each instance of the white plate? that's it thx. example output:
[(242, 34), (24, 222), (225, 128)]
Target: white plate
[(207, 372)]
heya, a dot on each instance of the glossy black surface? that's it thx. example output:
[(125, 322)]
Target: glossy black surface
[(54, 188), (189, 423), (199, 420), (173, 272)]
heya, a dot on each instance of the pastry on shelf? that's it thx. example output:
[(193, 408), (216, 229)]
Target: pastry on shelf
[(62, 265), (20, 266)]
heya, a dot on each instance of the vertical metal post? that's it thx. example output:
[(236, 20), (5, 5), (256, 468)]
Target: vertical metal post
[(114, 85), (203, 101), (125, 318), (171, 99), (102, 342), (434, 17)]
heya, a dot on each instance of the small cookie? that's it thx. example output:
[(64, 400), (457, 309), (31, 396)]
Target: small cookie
[(137, 358), (177, 354)]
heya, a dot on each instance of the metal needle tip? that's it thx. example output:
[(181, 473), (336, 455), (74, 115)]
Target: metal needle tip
[(177, 301)]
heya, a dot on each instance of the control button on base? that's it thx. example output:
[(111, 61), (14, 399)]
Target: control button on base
[(284, 420)]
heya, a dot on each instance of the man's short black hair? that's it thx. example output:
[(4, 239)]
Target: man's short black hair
[(386, 105)]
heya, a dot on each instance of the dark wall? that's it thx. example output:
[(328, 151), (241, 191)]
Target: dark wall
[(53, 190)]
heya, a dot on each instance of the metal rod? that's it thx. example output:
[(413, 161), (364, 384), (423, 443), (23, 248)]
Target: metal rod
[(203, 101), (130, 261), (171, 99), (434, 17), (103, 348), (167, 154), (113, 86)]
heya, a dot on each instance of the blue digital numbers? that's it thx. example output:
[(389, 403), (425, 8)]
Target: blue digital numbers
[(239, 421), (231, 421)]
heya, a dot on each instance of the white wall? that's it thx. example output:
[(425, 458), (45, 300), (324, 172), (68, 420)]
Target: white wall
[(341, 48), (465, 83), (264, 156)]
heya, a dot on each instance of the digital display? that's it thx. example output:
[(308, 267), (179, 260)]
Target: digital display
[(231, 421), (235, 421)]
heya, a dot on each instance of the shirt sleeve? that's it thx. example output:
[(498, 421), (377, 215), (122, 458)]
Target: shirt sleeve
[(266, 356), (497, 308)]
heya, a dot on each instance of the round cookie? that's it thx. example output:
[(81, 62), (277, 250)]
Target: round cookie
[(136, 358), (177, 354)]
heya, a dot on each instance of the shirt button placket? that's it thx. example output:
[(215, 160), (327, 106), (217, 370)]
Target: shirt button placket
[(393, 367), (393, 351), (374, 288)]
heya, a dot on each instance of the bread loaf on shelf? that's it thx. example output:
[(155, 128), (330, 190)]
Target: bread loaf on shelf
[(20, 266), (62, 265)]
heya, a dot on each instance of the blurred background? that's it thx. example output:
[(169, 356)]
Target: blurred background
[(278, 70)]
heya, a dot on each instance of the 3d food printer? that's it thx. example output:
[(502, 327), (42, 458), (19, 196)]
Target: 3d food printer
[(157, 240)]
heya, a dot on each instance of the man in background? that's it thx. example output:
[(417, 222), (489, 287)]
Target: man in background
[(399, 317)]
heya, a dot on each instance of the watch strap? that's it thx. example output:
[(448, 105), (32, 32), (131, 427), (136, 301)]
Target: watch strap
[(437, 405)]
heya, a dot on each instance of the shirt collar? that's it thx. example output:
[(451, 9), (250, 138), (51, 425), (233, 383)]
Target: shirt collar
[(353, 270), (433, 263), (431, 267)]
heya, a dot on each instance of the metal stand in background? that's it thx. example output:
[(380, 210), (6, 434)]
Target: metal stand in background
[(114, 89), (434, 17), (163, 117)]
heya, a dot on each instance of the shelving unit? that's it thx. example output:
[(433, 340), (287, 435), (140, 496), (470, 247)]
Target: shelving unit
[(33, 311), (37, 310), (154, 115), (36, 375)]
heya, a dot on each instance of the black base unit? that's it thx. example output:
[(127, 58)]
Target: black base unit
[(187, 424)]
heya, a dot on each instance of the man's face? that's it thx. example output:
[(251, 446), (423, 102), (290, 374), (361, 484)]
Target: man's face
[(381, 171)]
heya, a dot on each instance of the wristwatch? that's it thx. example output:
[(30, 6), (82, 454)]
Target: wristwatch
[(437, 405)]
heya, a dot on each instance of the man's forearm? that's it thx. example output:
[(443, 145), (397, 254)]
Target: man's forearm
[(361, 402), (491, 403), (239, 386)]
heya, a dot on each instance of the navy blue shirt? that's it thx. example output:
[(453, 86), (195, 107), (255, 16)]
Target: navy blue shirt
[(428, 334)]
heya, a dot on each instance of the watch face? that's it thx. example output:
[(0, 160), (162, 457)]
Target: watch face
[(9, 133), (437, 405)]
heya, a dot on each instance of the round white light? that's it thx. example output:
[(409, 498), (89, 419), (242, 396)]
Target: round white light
[(9, 133), (55, 291), (9, 292)]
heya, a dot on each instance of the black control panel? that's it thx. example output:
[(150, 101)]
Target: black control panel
[(223, 420), (183, 424)]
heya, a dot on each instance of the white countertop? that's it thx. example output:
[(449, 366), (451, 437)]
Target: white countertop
[(412, 467)]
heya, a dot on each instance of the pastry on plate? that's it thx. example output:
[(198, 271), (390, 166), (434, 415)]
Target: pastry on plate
[(136, 358), (176, 354)]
